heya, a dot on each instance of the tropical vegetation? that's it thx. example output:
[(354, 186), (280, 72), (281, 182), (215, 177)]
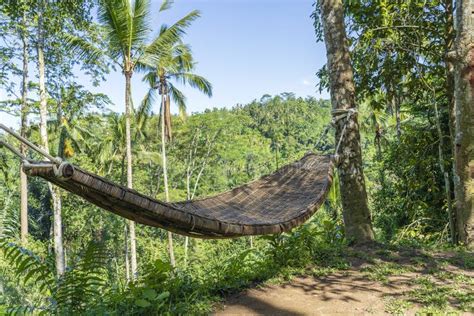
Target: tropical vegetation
[(399, 63)]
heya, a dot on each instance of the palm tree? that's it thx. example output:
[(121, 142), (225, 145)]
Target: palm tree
[(176, 64), (126, 24)]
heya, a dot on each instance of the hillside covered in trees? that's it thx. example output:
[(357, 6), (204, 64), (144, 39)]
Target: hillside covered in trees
[(401, 186)]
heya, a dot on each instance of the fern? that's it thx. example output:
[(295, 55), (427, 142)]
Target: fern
[(82, 286), (79, 290), (29, 269), (9, 220)]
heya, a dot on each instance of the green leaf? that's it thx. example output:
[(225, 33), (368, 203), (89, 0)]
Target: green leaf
[(149, 294), (142, 303), (163, 296)]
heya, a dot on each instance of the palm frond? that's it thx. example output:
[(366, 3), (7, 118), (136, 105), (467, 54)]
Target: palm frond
[(140, 26), (83, 49), (195, 81), (115, 16), (166, 5), (178, 98), (145, 107), (167, 38)]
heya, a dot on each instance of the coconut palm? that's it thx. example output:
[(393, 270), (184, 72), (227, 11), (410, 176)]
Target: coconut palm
[(175, 65), (127, 27)]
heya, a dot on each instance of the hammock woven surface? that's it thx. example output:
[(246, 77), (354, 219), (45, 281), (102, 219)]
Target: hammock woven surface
[(272, 204)]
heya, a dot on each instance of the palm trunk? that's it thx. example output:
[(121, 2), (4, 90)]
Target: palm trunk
[(55, 194), (464, 114), (168, 119), (24, 127), (188, 195), (356, 212), (127, 262), (165, 171), (128, 145)]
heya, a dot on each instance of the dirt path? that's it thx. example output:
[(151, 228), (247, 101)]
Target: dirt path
[(404, 285)]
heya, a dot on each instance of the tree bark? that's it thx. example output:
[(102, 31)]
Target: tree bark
[(396, 105), (447, 181), (128, 145), (127, 262), (168, 119), (165, 170), (356, 212), (448, 176), (55, 194), (464, 122), (23, 131)]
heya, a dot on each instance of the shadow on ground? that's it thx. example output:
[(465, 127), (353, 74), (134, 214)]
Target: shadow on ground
[(379, 281)]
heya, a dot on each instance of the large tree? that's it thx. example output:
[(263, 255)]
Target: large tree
[(464, 121), (356, 212)]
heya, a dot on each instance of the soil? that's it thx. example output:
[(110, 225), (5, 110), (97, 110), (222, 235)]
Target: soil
[(354, 291)]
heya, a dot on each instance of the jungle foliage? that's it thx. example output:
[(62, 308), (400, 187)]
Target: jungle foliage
[(403, 93)]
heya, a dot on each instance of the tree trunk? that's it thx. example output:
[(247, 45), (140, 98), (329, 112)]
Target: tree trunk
[(378, 136), (24, 127), (127, 262), (464, 122), (447, 181), (55, 194), (396, 105), (128, 145), (165, 170), (449, 37), (356, 212), (168, 119)]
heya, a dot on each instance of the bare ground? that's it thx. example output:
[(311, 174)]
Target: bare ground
[(377, 283)]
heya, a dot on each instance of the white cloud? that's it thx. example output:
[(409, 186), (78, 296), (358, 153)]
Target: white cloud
[(306, 82)]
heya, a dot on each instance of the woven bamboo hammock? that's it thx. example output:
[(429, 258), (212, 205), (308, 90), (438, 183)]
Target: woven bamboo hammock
[(275, 203)]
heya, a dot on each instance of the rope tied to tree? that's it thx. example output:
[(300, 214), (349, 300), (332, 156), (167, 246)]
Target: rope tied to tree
[(337, 115), (347, 113)]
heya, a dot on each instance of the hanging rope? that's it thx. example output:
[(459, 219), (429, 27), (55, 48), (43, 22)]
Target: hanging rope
[(347, 114), (337, 115)]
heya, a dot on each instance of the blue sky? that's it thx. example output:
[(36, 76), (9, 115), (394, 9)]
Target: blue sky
[(245, 48)]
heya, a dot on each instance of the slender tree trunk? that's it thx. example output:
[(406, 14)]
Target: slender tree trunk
[(356, 212), (168, 119), (24, 127), (447, 181), (448, 176), (165, 170), (378, 136), (127, 262), (464, 124), (449, 37), (128, 145), (55, 194), (396, 105), (186, 246)]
